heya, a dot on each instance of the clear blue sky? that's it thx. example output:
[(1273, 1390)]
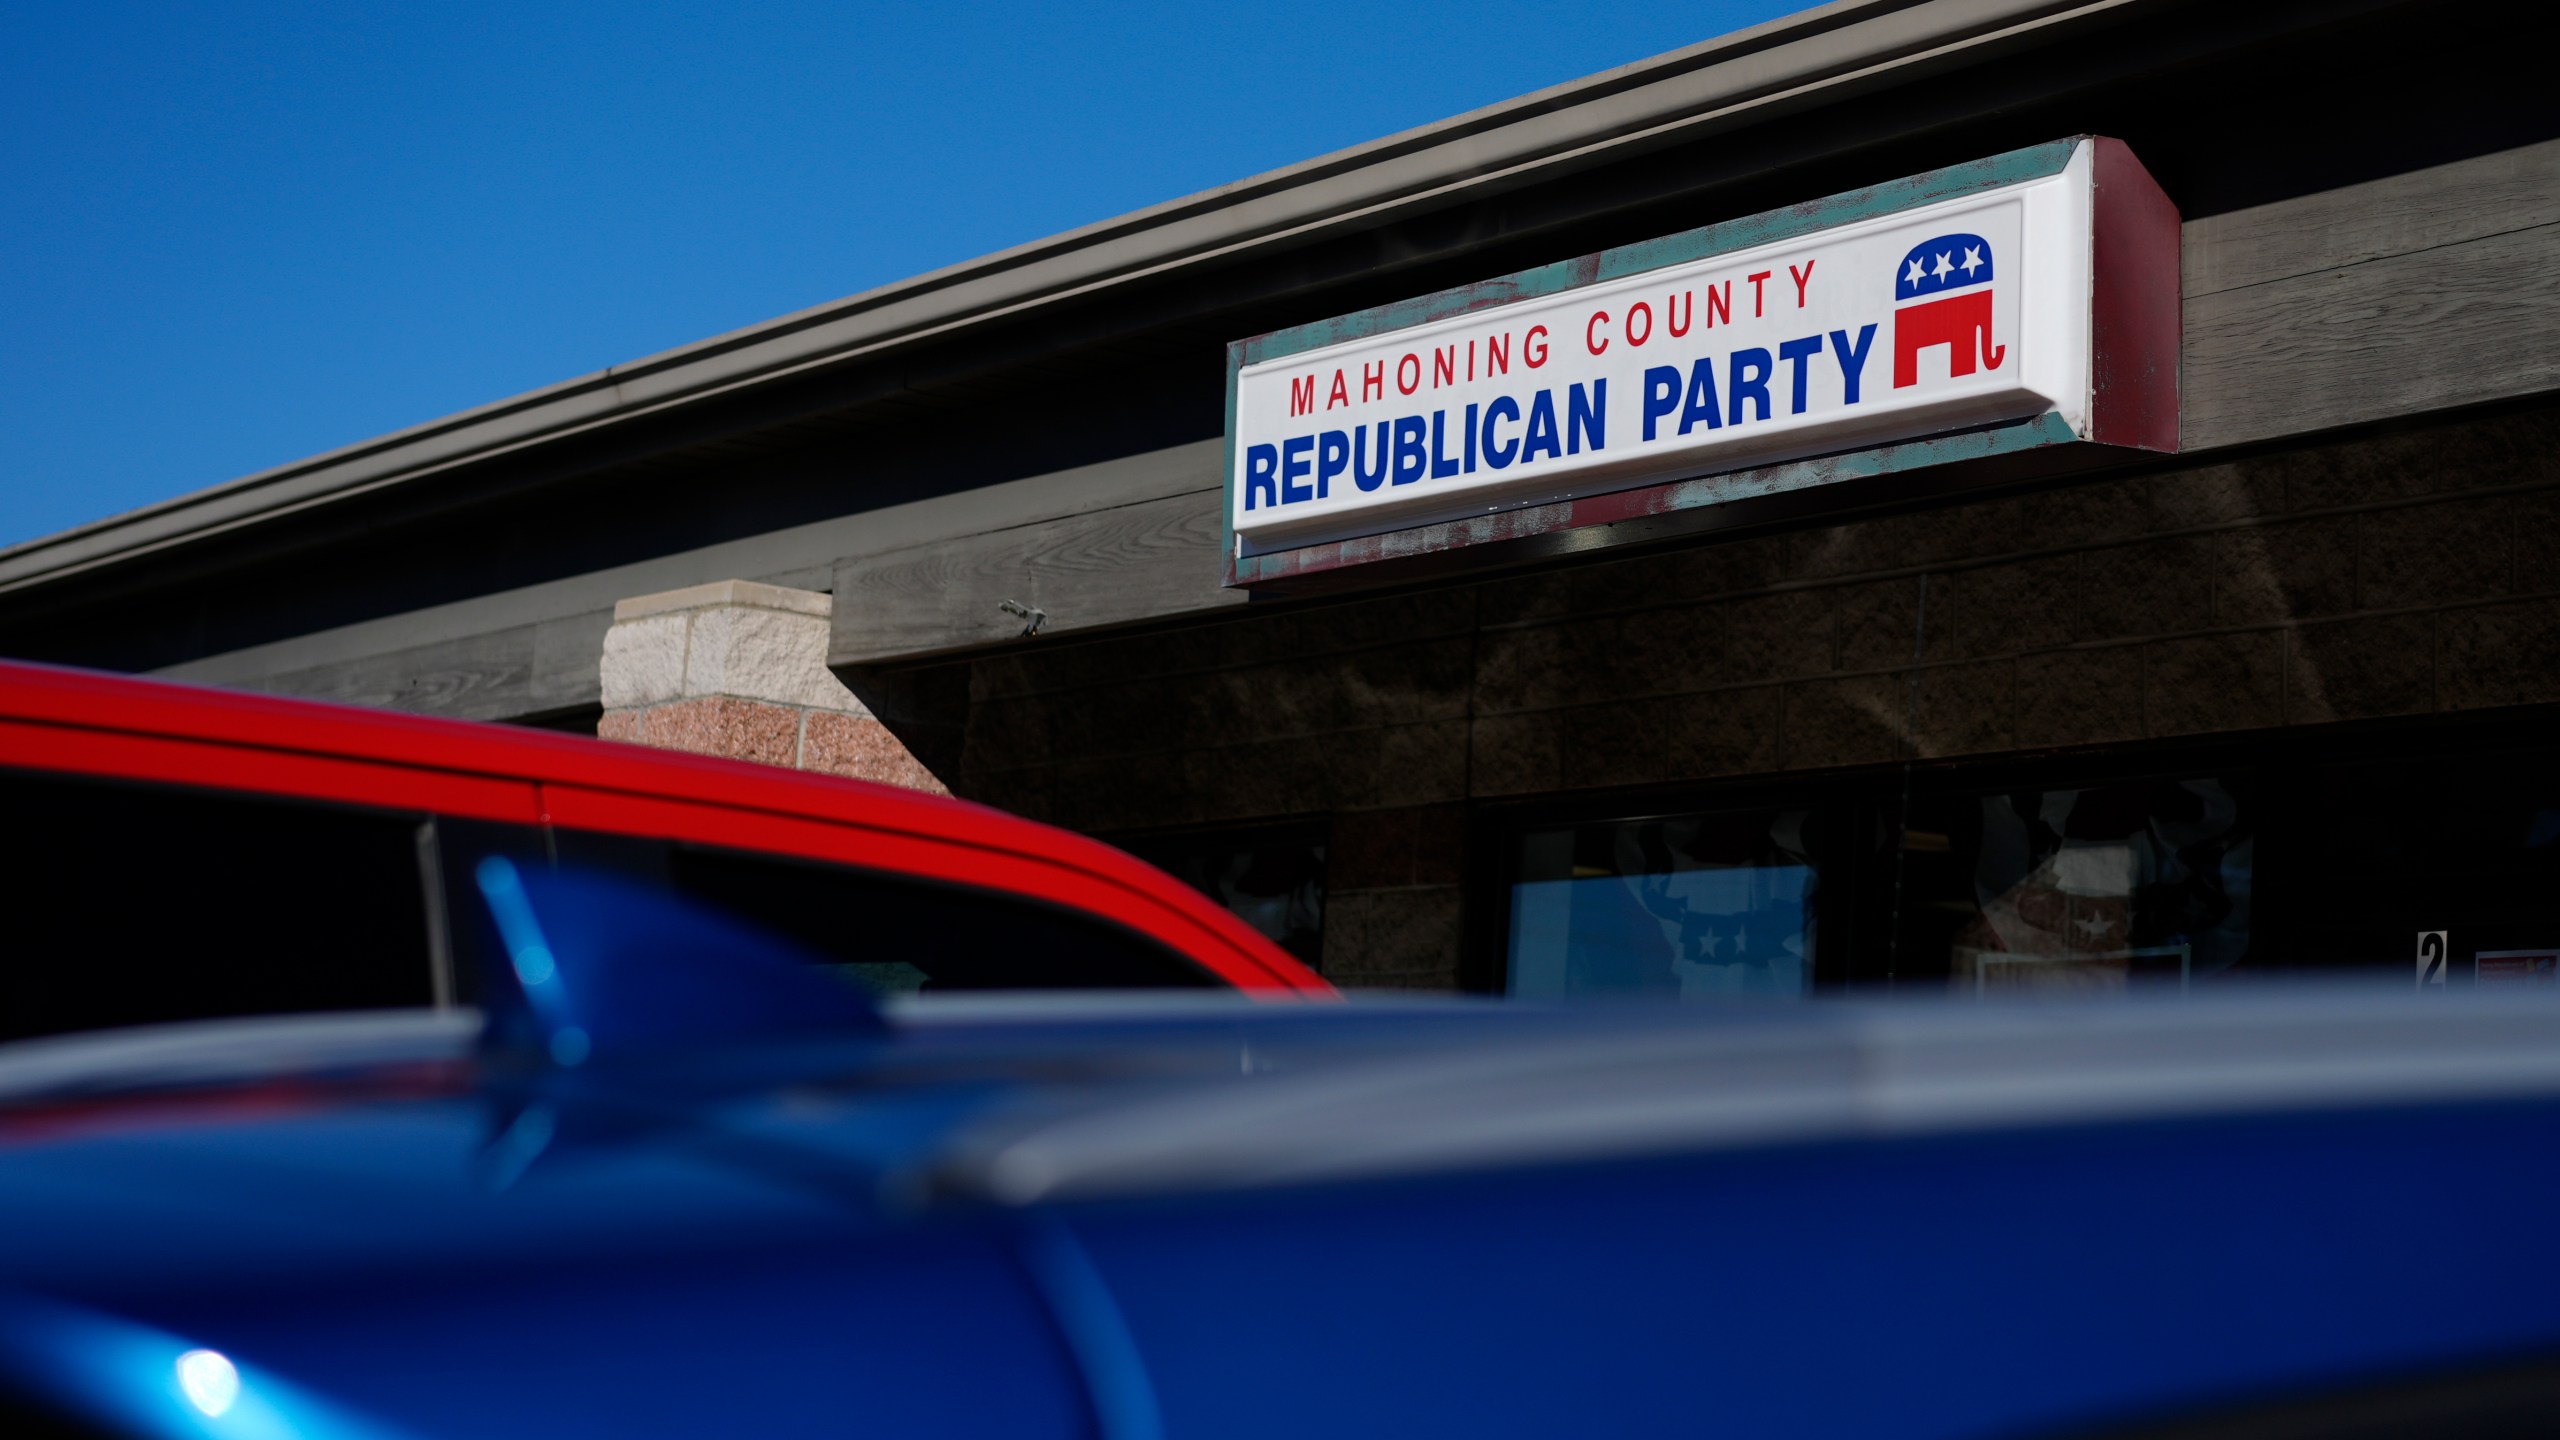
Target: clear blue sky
[(235, 235)]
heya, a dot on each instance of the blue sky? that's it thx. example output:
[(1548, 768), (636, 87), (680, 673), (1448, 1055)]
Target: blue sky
[(233, 236)]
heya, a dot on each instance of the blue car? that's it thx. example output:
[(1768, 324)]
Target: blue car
[(673, 1180)]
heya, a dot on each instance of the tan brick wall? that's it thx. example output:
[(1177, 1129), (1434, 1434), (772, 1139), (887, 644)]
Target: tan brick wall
[(2403, 574)]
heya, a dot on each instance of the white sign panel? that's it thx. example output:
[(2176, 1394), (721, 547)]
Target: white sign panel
[(1957, 314)]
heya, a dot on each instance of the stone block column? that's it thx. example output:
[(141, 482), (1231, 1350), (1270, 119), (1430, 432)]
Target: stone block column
[(740, 669)]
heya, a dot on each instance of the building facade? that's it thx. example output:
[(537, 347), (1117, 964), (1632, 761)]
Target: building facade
[(2277, 695)]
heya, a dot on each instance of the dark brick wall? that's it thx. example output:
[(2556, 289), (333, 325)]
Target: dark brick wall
[(2384, 576)]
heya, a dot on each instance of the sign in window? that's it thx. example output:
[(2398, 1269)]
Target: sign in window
[(1694, 907)]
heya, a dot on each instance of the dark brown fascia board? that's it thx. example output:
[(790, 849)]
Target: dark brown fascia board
[(1803, 59)]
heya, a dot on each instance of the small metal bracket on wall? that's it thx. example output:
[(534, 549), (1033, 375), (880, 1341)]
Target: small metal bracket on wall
[(1032, 616)]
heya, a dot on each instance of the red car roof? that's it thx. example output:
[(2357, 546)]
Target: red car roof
[(53, 718)]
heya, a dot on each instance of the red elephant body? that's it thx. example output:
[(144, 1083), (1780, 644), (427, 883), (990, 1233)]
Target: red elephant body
[(1962, 323)]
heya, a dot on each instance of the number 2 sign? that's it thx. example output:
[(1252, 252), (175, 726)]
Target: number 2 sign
[(2432, 949)]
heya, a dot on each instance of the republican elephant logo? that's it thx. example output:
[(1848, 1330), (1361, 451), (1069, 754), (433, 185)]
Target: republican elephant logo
[(1951, 278)]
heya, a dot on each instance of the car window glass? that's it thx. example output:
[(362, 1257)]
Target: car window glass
[(133, 904), (891, 934)]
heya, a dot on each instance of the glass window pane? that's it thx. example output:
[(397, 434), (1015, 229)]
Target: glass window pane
[(2101, 887), (1693, 907), (2466, 848), (891, 934), (135, 904)]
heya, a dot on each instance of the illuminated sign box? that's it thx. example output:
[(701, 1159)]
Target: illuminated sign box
[(2023, 302)]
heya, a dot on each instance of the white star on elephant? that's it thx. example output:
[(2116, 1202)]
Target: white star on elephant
[(1972, 260), (1914, 277), (1943, 265)]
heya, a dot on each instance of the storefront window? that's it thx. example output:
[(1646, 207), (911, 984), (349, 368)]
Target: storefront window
[(2109, 887), (2430, 859), (1692, 907), (2459, 855)]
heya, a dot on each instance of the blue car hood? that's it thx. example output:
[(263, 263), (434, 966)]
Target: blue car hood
[(1141, 1218)]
